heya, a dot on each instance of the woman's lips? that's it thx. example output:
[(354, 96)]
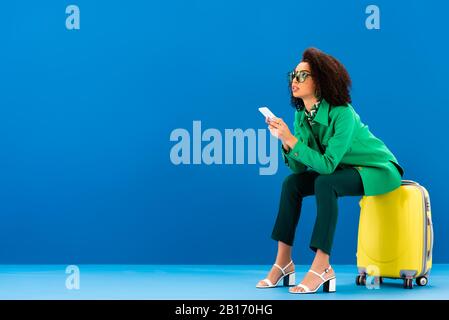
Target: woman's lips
[(295, 88)]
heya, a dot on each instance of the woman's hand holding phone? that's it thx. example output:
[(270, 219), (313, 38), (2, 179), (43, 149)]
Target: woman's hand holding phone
[(284, 134), (279, 129)]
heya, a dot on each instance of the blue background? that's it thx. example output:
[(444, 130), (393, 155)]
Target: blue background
[(86, 116)]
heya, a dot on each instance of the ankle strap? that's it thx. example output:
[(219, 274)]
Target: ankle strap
[(321, 275), (283, 269)]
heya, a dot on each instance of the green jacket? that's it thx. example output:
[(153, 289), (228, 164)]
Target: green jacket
[(346, 142)]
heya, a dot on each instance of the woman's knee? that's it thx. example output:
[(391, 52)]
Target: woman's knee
[(290, 182), (323, 183), (299, 183)]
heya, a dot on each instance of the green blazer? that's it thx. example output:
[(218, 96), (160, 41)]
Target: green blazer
[(346, 142)]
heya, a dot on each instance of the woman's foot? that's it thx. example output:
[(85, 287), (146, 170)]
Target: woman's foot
[(313, 281), (276, 273)]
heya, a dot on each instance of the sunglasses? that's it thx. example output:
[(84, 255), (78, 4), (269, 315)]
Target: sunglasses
[(300, 76)]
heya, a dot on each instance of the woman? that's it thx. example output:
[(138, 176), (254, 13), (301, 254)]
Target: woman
[(331, 154)]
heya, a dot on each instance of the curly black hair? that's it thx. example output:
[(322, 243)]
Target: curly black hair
[(331, 79)]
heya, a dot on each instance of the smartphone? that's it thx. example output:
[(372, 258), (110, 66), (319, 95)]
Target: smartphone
[(267, 112)]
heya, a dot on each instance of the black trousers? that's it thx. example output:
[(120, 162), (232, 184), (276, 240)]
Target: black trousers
[(326, 188)]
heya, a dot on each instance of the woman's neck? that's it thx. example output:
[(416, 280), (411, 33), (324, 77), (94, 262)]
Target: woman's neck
[(309, 102)]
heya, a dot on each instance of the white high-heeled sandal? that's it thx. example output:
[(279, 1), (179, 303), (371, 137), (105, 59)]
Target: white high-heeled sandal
[(289, 278), (329, 285)]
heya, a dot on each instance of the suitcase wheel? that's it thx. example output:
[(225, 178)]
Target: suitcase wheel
[(421, 281), (408, 283), (360, 280)]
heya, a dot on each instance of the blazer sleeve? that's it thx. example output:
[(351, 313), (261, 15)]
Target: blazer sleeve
[(294, 165), (338, 145)]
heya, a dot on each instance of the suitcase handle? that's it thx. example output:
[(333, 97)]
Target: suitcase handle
[(409, 182), (430, 248)]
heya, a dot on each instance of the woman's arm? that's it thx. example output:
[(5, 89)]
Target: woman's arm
[(294, 165), (285, 147), (338, 145)]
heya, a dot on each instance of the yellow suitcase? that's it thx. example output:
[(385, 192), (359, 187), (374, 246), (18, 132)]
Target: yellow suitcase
[(395, 238)]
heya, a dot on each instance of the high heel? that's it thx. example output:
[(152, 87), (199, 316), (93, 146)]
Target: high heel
[(289, 278), (329, 285)]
